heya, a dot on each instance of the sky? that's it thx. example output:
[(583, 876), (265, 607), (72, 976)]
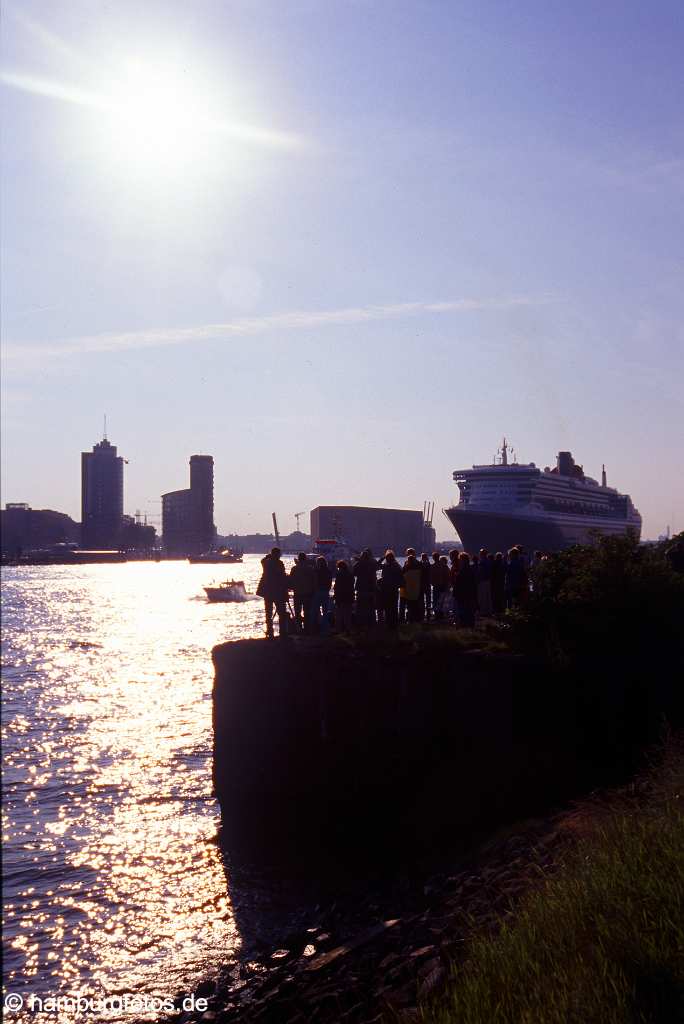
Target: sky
[(343, 246)]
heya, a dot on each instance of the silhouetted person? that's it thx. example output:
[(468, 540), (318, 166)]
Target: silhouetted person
[(303, 586), (453, 573), (273, 588), (425, 588), (465, 591), (343, 595), (440, 577), (321, 597), (365, 578), (413, 582), (516, 578), (498, 584), (484, 583), (391, 579)]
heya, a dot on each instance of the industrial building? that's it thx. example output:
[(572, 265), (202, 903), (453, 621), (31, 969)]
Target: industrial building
[(101, 496), (188, 515), (23, 528), (374, 528)]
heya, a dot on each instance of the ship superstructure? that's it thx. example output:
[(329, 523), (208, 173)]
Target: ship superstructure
[(509, 503)]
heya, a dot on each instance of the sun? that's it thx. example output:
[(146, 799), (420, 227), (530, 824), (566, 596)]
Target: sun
[(159, 119)]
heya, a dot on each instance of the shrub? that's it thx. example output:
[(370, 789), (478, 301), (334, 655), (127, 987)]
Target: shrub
[(614, 598)]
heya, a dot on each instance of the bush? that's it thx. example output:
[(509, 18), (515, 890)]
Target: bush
[(615, 598)]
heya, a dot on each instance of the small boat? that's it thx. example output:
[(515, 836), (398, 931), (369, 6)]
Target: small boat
[(226, 556), (231, 590)]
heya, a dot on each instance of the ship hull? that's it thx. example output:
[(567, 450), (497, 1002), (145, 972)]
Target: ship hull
[(499, 531)]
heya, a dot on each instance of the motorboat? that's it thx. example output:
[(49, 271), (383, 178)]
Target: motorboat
[(225, 556), (230, 590)]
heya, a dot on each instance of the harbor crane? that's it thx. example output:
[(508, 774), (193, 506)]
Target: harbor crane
[(275, 529), (298, 516)]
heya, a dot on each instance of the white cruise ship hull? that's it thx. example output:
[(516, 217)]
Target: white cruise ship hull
[(499, 531)]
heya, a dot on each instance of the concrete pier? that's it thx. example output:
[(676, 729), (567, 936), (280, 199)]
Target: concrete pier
[(320, 742)]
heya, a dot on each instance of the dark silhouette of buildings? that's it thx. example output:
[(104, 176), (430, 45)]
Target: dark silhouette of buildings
[(188, 515), (26, 529), (101, 496)]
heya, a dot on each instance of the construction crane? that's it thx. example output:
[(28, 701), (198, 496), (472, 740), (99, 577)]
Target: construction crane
[(298, 516), (275, 529)]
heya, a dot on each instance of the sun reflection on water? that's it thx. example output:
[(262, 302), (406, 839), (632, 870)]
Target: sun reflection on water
[(113, 881)]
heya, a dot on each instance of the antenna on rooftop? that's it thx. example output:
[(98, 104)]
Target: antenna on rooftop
[(104, 431)]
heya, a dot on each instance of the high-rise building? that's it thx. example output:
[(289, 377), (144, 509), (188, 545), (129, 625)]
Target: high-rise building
[(188, 515), (101, 496)]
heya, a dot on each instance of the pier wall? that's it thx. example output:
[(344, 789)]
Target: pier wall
[(319, 742), (312, 739)]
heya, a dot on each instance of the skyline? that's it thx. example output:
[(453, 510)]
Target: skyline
[(371, 240)]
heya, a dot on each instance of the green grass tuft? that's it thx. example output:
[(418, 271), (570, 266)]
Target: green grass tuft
[(602, 940)]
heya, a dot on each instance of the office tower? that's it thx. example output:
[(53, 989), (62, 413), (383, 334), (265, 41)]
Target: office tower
[(202, 491), (101, 496), (188, 515)]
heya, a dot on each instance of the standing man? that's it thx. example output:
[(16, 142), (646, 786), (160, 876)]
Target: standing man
[(273, 588), (413, 582), (366, 583), (439, 578), (321, 598), (392, 578), (303, 584), (425, 590)]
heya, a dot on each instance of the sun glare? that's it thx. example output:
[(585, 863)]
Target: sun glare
[(159, 119)]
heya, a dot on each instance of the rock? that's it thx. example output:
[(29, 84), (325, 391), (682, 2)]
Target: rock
[(432, 980), (401, 997), (205, 988), (417, 954), (389, 959)]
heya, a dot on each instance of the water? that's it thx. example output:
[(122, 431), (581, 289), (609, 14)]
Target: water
[(113, 880)]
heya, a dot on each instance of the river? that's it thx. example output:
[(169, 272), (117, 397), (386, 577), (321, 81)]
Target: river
[(113, 882)]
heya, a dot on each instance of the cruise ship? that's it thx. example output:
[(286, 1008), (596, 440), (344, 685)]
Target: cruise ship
[(508, 503)]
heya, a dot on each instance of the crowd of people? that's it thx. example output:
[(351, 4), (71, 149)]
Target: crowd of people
[(381, 591)]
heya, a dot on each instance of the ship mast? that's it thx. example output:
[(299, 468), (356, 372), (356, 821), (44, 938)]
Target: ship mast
[(504, 453)]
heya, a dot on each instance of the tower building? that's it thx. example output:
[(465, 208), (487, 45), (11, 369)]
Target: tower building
[(101, 496), (188, 515)]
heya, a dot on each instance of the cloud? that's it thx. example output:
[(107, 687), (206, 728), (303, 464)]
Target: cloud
[(247, 326)]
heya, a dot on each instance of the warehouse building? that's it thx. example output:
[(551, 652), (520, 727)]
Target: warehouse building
[(374, 528)]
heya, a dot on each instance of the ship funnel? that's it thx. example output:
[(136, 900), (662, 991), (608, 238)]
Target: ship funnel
[(565, 463)]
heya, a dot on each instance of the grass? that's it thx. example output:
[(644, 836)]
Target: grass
[(419, 638), (602, 939)]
